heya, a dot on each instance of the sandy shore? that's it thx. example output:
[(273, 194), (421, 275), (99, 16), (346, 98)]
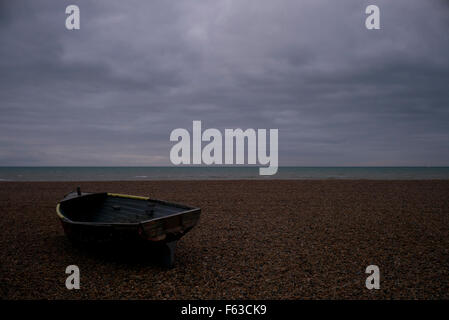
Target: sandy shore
[(256, 239)]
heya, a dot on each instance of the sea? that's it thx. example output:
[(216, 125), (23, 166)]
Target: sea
[(218, 173)]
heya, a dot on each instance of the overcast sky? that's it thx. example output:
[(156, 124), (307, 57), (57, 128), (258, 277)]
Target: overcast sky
[(112, 92)]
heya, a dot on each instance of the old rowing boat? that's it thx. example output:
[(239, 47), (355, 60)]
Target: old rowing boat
[(110, 217)]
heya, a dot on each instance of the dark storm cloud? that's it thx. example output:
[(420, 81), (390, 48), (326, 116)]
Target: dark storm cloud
[(111, 93)]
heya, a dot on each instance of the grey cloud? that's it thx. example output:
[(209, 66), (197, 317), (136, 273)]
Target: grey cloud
[(110, 93)]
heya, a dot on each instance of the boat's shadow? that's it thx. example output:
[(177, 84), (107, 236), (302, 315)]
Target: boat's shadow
[(129, 253)]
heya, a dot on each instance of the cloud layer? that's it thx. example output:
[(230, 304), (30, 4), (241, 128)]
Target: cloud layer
[(111, 92)]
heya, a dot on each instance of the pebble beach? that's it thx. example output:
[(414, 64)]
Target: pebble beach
[(274, 239)]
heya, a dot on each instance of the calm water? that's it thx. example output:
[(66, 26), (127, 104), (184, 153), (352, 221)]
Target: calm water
[(219, 173)]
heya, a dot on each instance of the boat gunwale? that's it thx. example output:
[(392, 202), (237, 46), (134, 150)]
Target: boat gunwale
[(129, 224)]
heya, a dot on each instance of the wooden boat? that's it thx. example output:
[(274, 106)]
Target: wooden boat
[(110, 217)]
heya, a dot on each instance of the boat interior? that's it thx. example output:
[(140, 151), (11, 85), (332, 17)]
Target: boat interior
[(107, 208)]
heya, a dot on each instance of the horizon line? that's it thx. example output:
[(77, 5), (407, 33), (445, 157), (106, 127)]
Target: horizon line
[(224, 166)]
